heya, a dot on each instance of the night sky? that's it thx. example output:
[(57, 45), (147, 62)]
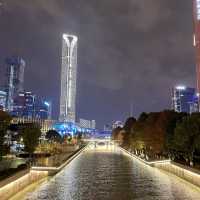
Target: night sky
[(129, 51)]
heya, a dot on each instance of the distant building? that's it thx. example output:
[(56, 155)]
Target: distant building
[(117, 124), (42, 108), (14, 79), (107, 127), (45, 125), (68, 79), (3, 100), (90, 124), (28, 105), (196, 15), (93, 124), (24, 105), (184, 99)]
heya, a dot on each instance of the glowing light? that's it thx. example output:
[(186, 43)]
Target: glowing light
[(198, 9), (46, 103), (180, 87), (144, 161), (194, 40), (70, 128), (66, 37)]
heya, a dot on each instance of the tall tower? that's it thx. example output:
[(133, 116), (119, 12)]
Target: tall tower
[(196, 14), (14, 79), (68, 78)]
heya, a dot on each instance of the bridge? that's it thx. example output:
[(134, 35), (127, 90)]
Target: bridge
[(100, 143)]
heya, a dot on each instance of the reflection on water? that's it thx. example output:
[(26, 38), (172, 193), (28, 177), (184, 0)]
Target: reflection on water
[(96, 175)]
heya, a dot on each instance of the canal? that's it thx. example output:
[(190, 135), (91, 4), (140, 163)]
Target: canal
[(111, 175)]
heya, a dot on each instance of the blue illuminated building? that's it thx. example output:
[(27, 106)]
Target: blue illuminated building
[(184, 99), (28, 105), (70, 128), (14, 79), (42, 109), (2, 100)]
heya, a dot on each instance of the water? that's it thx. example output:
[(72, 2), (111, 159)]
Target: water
[(96, 175)]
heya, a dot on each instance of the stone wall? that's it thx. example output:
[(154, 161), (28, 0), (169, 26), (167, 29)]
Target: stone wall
[(14, 184), (11, 186), (189, 174)]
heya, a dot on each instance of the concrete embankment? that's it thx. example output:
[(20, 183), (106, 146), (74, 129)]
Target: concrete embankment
[(187, 173), (19, 181), (16, 183)]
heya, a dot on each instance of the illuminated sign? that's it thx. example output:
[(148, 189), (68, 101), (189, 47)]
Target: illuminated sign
[(198, 9)]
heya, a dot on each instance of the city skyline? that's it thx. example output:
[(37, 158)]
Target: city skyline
[(121, 58), (100, 99)]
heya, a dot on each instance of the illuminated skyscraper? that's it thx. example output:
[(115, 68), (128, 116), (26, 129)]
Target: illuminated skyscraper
[(2, 100), (184, 99), (14, 79), (68, 79), (196, 7)]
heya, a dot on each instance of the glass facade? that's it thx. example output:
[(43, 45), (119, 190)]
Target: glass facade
[(15, 79), (196, 15), (198, 9), (30, 106), (2, 100), (184, 99), (84, 123)]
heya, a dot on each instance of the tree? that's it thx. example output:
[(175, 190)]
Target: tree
[(143, 117), (187, 136), (5, 119), (149, 132), (53, 136), (128, 131), (128, 126), (115, 132), (118, 135), (173, 120), (31, 134)]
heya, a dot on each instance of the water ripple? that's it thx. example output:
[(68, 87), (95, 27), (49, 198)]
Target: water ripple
[(112, 176)]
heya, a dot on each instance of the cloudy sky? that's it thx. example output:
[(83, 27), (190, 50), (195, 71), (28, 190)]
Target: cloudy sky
[(130, 51)]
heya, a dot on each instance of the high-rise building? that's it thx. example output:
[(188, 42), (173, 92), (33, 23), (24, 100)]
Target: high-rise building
[(2, 100), (184, 99), (84, 123), (42, 108), (93, 124), (68, 79), (30, 106), (196, 15), (14, 79)]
